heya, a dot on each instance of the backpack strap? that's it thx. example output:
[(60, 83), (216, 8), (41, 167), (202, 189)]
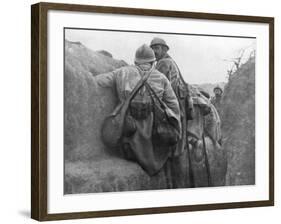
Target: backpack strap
[(139, 85), (154, 93), (162, 109), (180, 75), (126, 103), (161, 103), (189, 104)]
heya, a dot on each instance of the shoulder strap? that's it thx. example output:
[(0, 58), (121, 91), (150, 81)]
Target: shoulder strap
[(179, 71), (139, 85), (124, 106), (181, 78), (163, 106)]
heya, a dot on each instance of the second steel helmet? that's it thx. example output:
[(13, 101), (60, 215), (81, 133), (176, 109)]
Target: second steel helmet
[(144, 54), (218, 88), (158, 41)]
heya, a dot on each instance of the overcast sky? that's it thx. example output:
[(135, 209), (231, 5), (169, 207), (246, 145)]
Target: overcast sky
[(201, 59)]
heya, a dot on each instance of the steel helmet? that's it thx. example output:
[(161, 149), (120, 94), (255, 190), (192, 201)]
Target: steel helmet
[(158, 41), (218, 88), (144, 54)]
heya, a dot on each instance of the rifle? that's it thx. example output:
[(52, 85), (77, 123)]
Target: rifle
[(207, 164)]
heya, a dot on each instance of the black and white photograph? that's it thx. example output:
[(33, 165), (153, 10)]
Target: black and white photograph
[(147, 111), (157, 110)]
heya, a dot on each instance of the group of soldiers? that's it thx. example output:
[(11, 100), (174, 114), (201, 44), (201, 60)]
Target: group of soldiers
[(166, 82)]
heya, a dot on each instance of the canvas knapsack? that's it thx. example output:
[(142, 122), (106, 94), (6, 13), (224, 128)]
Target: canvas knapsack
[(113, 126), (165, 132)]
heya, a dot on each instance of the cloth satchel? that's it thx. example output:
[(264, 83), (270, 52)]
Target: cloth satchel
[(165, 132), (113, 125)]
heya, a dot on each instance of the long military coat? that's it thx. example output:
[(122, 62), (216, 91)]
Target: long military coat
[(149, 156), (168, 67)]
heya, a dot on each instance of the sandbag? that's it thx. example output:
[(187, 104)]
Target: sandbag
[(112, 128)]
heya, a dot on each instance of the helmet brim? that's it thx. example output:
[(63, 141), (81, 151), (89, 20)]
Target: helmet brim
[(160, 45), (143, 61), (218, 89)]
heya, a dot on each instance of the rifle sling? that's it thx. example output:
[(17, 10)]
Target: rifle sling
[(136, 89)]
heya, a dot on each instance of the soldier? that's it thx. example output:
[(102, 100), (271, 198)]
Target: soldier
[(216, 100), (167, 66), (137, 142)]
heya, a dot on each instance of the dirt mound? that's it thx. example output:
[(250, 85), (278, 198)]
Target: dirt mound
[(85, 107), (238, 124)]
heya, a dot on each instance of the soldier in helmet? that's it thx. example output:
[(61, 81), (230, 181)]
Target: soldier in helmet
[(137, 144), (216, 100), (167, 66)]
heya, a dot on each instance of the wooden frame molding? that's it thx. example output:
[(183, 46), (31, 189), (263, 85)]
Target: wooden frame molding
[(39, 110)]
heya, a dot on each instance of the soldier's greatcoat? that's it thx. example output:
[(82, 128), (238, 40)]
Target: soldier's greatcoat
[(177, 166), (140, 145), (168, 67)]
